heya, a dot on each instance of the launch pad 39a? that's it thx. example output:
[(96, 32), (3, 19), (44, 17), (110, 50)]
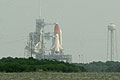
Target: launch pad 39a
[(66, 58), (36, 43)]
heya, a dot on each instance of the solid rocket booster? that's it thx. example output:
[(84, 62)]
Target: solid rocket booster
[(57, 40), (38, 46)]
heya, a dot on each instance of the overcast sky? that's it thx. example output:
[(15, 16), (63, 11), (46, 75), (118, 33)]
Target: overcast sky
[(83, 22)]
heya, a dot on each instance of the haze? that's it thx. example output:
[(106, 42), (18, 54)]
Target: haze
[(83, 22)]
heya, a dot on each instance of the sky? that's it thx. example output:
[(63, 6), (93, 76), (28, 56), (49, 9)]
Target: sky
[(83, 22)]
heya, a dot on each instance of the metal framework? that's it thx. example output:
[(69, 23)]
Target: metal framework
[(38, 37)]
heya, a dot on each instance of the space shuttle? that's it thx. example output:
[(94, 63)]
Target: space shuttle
[(57, 40)]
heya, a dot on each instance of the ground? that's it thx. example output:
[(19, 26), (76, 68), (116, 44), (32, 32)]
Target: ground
[(59, 76)]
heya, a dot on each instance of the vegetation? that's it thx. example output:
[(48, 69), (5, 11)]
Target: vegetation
[(108, 66), (59, 76), (32, 65)]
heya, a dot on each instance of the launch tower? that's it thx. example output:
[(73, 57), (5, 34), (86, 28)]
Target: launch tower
[(36, 44)]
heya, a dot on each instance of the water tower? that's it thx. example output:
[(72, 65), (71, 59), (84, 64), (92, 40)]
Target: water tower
[(111, 41)]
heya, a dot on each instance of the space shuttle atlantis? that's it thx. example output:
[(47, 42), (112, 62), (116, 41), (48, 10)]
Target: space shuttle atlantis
[(57, 40)]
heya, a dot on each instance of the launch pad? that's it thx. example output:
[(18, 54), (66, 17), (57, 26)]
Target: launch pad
[(36, 43), (65, 58)]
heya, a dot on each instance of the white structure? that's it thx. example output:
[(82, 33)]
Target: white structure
[(36, 43), (57, 41), (112, 41)]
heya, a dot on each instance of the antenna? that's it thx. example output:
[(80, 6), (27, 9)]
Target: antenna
[(79, 57), (39, 9)]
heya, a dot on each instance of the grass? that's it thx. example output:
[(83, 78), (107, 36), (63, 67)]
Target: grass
[(59, 76)]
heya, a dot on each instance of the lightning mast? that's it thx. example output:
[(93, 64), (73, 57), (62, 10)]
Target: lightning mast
[(39, 10)]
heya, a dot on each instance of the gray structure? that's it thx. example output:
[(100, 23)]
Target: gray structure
[(36, 45)]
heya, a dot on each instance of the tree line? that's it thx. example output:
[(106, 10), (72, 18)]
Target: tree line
[(109, 66), (10, 64)]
